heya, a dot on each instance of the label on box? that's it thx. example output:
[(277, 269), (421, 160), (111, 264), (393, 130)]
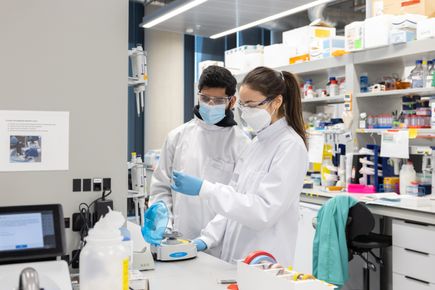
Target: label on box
[(410, 3), (322, 33)]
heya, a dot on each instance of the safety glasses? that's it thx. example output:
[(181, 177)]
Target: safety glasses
[(254, 104), (215, 100)]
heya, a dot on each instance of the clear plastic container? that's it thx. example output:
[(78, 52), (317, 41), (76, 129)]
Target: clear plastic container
[(430, 74), (104, 260), (417, 75), (407, 176), (333, 88)]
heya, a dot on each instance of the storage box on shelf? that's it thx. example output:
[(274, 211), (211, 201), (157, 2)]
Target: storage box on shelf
[(304, 37), (354, 36), (277, 55), (397, 7), (426, 29), (377, 31), (244, 58)]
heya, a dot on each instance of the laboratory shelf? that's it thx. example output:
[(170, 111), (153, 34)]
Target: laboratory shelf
[(430, 133), (324, 100), (405, 52), (399, 93), (320, 66)]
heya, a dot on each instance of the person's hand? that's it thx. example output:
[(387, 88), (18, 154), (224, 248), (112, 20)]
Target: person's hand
[(200, 245), (186, 184)]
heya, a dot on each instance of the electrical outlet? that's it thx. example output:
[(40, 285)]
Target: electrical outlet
[(77, 185), (107, 184), (87, 184)]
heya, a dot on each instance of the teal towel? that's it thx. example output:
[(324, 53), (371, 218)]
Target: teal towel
[(330, 256)]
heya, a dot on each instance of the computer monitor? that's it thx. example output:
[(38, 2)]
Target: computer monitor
[(31, 232)]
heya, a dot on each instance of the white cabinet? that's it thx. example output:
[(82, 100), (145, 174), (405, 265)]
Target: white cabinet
[(304, 243), (413, 255)]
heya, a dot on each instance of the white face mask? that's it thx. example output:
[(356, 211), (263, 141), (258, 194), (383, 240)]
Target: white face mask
[(256, 118)]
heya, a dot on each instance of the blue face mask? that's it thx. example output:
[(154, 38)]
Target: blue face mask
[(212, 114)]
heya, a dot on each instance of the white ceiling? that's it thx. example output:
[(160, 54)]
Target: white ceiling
[(215, 16)]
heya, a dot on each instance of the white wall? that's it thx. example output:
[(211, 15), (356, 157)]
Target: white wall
[(65, 55), (165, 93)]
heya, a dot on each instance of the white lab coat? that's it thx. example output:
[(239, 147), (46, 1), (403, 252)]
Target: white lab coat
[(259, 209), (206, 151)]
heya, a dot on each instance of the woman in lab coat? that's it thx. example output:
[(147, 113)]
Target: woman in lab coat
[(258, 210)]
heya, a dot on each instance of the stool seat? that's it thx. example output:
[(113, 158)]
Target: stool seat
[(371, 241)]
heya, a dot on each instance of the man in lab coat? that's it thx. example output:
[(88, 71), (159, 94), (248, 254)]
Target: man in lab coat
[(208, 146)]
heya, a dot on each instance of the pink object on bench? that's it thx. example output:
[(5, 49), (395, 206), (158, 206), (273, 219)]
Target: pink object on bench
[(360, 188)]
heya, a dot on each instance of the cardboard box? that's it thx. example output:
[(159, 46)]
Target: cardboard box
[(397, 7), (426, 29), (244, 58), (354, 36), (377, 31), (277, 55), (302, 38)]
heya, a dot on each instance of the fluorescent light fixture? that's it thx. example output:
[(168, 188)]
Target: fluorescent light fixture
[(271, 18), (172, 13)]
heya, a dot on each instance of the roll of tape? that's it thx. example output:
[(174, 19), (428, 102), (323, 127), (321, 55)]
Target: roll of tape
[(259, 257)]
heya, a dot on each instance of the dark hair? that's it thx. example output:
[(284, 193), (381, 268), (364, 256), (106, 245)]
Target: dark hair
[(271, 84), (218, 77)]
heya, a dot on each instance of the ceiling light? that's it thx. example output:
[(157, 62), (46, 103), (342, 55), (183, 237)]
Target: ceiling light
[(172, 13), (271, 18)]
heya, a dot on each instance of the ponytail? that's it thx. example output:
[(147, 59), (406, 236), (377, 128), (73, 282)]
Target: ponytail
[(292, 107), (272, 84)]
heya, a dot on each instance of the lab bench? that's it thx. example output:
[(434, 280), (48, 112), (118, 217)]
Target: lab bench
[(421, 210), (412, 227), (200, 273)]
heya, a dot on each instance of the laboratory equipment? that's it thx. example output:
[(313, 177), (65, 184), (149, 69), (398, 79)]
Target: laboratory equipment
[(407, 176), (259, 270), (333, 88), (166, 244), (142, 257), (363, 120), (138, 185), (47, 242), (104, 259), (417, 75), (430, 73), (140, 75), (137, 173), (433, 169)]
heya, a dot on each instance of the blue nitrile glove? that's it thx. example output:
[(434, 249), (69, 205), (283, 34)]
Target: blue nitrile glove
[(200, 245), (185, 183)]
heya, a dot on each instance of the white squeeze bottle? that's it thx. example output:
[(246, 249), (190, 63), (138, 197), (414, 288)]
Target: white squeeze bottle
[(407, 176), (104, 259)]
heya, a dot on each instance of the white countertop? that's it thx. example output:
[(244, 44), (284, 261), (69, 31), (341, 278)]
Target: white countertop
[(201, 273), (421, 209)]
